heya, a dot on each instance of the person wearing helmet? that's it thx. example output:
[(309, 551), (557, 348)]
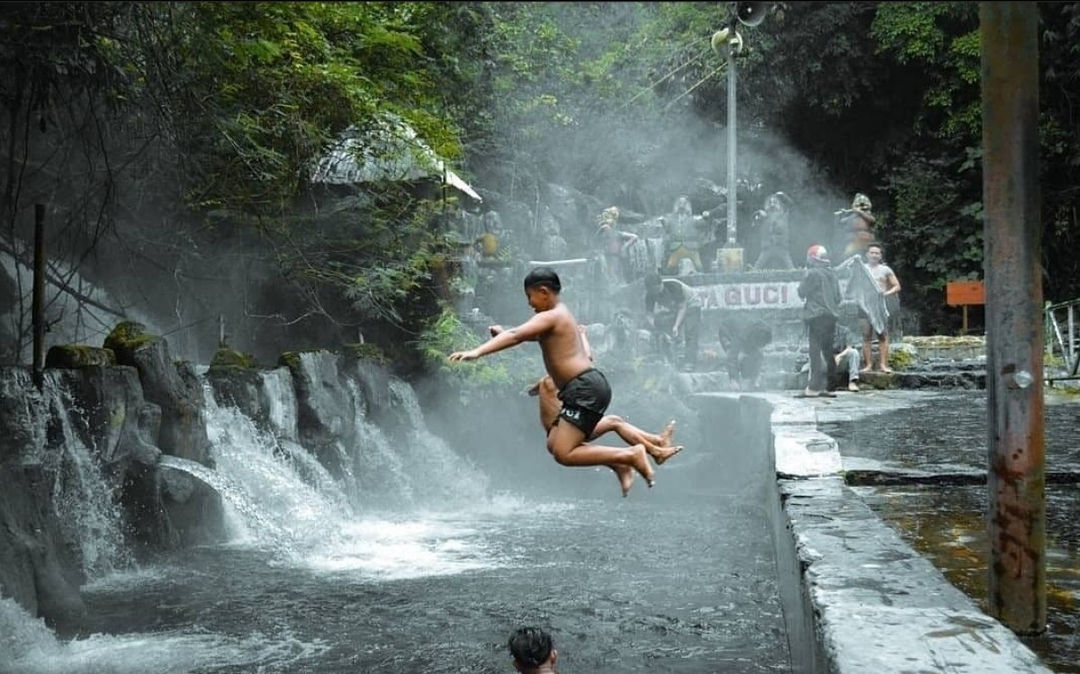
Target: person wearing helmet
[(820, 290)]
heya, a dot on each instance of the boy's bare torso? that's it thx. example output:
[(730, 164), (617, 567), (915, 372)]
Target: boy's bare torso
[(565, 356)]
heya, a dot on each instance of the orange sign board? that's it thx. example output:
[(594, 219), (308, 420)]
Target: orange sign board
[(960, 293)]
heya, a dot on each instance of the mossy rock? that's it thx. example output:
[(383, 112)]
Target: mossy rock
[(127, 338), (75, 356), (900, 360), (231, 360), (366, 351), (291, 359)]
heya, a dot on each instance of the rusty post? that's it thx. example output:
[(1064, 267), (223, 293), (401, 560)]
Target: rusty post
[(38, 299), (1014, 351)]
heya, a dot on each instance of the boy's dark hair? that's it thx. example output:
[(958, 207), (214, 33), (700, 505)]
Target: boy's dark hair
[(875, 244), (530, 646), (543, 277)]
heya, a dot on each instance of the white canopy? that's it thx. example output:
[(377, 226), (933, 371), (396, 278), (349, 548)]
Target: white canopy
[(392, 151)]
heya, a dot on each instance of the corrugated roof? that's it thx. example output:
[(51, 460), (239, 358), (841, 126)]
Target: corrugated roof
[(391, 151)]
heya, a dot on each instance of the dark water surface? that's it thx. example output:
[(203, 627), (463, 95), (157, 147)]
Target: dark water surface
[(679, 578), (947, 522)]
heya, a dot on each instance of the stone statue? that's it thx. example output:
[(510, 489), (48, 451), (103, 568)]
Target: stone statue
[(857, 225), (773, 221), (682, 236), (552, 244), (614, 246)]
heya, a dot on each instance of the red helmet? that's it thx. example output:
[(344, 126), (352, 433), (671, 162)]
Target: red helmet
[(817, 253)]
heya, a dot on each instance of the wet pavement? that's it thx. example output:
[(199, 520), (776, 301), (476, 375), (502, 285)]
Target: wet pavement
[(918, 459)]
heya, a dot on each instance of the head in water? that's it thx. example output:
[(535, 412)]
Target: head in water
[(542, 288), (531, 649)]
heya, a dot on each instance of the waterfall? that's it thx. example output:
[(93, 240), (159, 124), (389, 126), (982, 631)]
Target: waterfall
[(280, 400), (437, 474), (260, 482), (89, 519)]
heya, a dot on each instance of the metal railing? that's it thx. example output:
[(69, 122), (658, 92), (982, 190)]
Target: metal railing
[(1063, 336)]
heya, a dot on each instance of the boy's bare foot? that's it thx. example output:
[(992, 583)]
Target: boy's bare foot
[(667, 434), (887, 370), (626, 478), (866, 369), (662, 454), (641, 464)]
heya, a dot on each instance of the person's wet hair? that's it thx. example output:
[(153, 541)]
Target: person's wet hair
[(543, 277), (530, 646)]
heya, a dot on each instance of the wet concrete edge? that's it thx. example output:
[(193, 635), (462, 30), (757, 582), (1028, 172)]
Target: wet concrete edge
[(856, 597)]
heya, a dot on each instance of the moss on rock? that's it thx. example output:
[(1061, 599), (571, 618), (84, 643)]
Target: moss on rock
[(74, 356), (366, 351), (127, 338), (229, 360), (900, 360), (291, 359)]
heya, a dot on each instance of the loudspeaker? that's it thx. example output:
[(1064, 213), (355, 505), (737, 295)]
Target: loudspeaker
[(751, 13)]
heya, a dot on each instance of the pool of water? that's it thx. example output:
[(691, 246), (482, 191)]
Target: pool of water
[(946, 522), (679, 578)]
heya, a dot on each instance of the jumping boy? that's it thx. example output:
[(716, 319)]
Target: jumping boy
[(577, 392)]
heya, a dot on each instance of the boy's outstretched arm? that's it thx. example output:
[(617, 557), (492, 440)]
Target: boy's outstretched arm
[(528, 331)]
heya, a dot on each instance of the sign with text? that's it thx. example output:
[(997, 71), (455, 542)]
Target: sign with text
[(762, 295)]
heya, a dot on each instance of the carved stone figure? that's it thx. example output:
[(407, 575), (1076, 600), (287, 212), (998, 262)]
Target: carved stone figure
[(774, 222)]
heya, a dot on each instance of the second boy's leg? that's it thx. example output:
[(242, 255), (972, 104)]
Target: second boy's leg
[(658, 445), (566, 443), (550, 404)]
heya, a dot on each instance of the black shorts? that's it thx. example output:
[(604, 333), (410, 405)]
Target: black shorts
[(585, 398)]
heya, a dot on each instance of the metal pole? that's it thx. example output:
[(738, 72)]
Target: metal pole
[(731, 120), (38, 300), (1014, 366)]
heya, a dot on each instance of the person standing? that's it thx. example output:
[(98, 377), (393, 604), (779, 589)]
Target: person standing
[(889, 287), (820, 290), (680, 299)]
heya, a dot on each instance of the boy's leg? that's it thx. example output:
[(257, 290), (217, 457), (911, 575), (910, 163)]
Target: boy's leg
[(658, 445), (566, 443), (550, 404)]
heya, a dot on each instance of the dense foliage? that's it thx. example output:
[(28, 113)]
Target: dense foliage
[(209, 117)]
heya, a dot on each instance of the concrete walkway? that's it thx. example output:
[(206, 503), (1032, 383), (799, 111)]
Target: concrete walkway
[(865, 601)]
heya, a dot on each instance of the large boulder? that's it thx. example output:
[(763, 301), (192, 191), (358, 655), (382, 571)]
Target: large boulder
[(328, 403), (195, 509), (36, 568), (172, 387), (121, 426)]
